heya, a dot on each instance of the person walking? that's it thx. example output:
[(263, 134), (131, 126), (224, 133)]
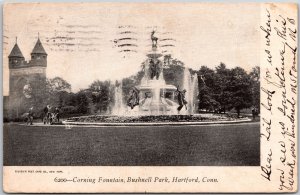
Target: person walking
[(253, 112), (30, 116), (57, 113), (47, 114)]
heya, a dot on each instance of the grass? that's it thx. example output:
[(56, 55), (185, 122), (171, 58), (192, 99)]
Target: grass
[(227, 145)]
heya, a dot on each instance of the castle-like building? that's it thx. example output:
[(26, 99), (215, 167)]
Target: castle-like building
[(27, 79)]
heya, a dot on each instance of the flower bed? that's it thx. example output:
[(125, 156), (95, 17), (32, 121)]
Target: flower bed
[(147, 119)]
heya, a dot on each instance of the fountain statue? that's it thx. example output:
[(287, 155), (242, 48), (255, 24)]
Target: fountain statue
[(181, 99), (133, 97), (154, 40), (155, 68)]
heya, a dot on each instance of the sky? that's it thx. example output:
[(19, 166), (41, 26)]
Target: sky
[(101, 41)]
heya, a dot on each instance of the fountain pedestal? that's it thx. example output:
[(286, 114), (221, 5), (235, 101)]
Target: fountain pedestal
[(157, 98)]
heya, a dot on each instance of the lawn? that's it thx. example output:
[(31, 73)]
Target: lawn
[(221, 145)]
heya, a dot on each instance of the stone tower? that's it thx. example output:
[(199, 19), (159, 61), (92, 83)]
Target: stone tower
[(38, 55), (27, 79)]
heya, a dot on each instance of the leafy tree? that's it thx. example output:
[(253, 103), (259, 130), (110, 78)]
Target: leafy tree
[(222, 82), (239, 88), (176, 62), (57, 91), (58, 84), (205, 99), (173, 75), (255, 86), (101, 96), (82, 102), (224, 88), (206, 84)]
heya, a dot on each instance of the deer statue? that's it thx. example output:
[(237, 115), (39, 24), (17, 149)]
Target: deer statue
[(154, 39)]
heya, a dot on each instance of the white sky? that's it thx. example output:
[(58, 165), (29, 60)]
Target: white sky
[(79, 38)]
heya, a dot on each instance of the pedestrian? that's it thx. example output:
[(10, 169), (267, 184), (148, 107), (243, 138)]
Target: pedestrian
[(47, 114), (253, 113), (57, 113), (30, 116)]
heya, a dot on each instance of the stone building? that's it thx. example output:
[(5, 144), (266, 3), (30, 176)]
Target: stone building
[(27, 80)]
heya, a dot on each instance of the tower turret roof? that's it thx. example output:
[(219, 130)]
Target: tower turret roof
[(16, 52), (38, 48)]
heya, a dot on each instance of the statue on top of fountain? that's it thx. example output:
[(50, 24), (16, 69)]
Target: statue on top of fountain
[(154, 40), (154, 67)]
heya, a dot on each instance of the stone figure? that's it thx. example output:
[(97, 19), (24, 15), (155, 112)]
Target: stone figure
[(181, 99), (133, 97), (154, 68), (154, 40)]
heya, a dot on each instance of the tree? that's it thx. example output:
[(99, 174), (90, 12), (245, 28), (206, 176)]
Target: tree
[(255, 86), (206, 85), (101, 96), (173, 75), (240, 90), (222, 81), (82, 102), (176, 62), (58, 84), (225, 88), (205, 99), (58, 90)]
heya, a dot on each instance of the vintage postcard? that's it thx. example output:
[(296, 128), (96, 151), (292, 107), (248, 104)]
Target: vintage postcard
[(150, 97)]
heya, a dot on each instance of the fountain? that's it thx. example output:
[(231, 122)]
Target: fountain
[(187, 85), (156, 97), (194, 93), (118, 108), (155, 100)]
